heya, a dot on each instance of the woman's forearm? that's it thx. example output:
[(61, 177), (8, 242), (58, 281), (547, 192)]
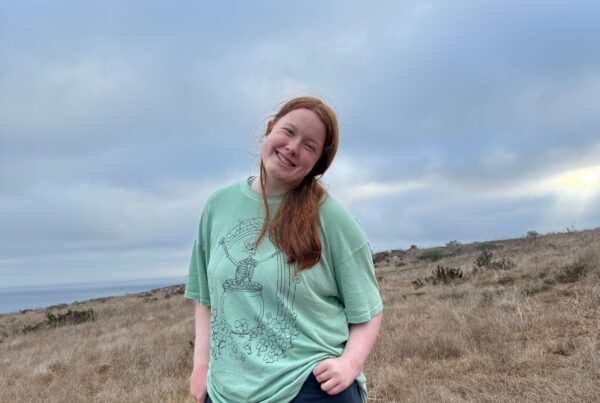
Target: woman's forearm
[(202, 338), (361, 340), (336, 374), (201, 352)]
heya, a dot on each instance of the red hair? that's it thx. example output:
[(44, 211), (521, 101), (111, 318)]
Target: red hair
[(295, 227)]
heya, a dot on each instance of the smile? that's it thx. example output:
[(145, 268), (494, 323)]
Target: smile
[(284, 160)]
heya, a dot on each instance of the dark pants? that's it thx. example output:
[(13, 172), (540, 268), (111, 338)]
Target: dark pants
[(311, 392)]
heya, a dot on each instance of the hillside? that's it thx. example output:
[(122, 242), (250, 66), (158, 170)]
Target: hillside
[(523, 326)]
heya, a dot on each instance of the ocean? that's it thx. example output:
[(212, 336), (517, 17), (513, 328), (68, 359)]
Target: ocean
[(18, 298)]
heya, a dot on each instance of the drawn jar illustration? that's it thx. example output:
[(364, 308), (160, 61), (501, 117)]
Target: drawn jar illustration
[(242, 302)]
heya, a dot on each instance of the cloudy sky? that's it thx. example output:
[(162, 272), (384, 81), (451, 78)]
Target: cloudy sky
[(460, 120)]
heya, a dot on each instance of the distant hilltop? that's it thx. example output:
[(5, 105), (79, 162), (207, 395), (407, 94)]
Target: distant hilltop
[(402, 257)]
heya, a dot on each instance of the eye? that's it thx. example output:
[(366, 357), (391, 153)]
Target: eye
[(309, 147), (288, 131)]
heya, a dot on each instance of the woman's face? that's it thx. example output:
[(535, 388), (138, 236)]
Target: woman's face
[(292, 148)]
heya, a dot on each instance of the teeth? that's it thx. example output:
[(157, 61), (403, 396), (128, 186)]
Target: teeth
[(284, 160)]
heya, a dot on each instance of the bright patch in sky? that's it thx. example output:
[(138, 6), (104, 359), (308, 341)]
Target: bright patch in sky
[(576, 191), (579, 181)]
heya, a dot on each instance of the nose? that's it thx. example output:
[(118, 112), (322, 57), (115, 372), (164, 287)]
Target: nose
[(292, 147)]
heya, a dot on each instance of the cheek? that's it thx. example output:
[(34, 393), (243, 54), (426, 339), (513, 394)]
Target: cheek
[(269, 144), (266, 147)]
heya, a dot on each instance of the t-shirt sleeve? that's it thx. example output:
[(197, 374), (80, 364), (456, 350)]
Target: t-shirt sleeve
[(197, 279), (357, 286)]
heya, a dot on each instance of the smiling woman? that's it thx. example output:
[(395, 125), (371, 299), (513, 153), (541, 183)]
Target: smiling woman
[(288, 306), (291, 149)]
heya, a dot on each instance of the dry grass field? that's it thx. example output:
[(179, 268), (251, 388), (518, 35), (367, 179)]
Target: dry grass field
[(523, 328)]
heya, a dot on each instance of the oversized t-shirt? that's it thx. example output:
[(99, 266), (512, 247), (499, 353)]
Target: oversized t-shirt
[(269, 326)]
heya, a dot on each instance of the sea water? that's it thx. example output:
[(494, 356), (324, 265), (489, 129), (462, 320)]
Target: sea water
[(18, 298)]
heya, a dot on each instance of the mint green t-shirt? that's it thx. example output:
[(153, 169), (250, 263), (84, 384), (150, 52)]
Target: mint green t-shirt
[(270, 327)]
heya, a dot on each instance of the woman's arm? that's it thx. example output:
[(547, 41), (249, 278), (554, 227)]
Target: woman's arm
[(336, 374), (201, 352)]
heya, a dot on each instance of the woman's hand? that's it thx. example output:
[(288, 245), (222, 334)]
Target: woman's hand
[(198, 383), (336, 374)]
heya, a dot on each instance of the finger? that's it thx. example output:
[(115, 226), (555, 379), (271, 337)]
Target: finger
[(337, 389), (321, 368), (325, 376), (329, 385)]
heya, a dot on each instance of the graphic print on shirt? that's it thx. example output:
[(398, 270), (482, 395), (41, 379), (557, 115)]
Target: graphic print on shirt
[(239, 324)]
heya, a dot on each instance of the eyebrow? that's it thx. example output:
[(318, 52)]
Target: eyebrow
[(294, 128)]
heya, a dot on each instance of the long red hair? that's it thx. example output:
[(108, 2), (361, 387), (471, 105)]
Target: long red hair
[(295, 227)]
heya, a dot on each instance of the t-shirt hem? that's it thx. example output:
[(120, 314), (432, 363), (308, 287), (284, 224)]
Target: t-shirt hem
[(192, 295), (365, 317)]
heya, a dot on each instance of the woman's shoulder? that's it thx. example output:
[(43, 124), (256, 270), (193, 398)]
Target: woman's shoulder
[(334, 216), (342, 234), (224, 192), (221, 196)]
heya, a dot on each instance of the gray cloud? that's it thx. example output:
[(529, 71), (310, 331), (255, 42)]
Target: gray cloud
[(118, 119)]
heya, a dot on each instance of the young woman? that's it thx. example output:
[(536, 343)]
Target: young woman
[(287, 307)]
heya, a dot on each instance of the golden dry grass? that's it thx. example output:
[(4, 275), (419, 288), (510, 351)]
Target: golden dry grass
[(527, 334)]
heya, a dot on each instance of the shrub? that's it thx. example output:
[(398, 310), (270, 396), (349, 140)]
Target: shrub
[(484, 260), (571, 273), (33, 328), (532, 234), (484, 246), (442, 275), (453, 248), (446, 274), (536, 289), (70, 317), (506, 281), (432, 254), (502, 264)]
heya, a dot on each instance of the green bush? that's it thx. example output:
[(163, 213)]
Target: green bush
[(433, 255), (502, 264), (446, 275), (484, 246), (442, 275), (70, 317), (61, 319), (484, 260)]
